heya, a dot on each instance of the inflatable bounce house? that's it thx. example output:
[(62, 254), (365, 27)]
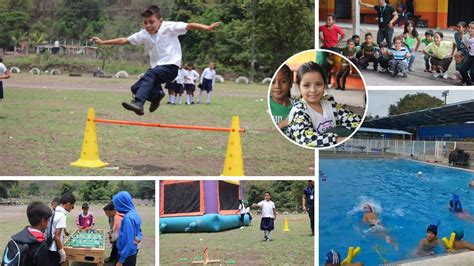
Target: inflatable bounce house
[(200, 205)]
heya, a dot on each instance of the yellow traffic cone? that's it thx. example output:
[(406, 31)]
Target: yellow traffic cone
[(234, 162), (90, 149), (285, 226)]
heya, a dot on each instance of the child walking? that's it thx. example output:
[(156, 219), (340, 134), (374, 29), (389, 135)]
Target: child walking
[(268, 215), (161, 42), (208, 79), (190, 77)]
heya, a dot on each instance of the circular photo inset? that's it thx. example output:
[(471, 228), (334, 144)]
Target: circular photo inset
[(317, 99)]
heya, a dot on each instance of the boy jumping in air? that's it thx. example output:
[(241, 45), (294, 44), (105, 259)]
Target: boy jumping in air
[(160, 39)]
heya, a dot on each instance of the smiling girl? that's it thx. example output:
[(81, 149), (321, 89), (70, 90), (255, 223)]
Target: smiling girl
[(312, 118)]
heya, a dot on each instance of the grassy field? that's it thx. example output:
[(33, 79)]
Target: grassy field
[(246, 246), (43, 118), (13, 220)]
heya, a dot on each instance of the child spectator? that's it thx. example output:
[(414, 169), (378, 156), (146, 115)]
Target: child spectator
[(328, 34), (427, 40), (314, 114), (208, 79), (179, 86), (162, 44), (468, 41), (30, 243), (57, 255), (351, 53), (357, 44), (130, 233), (190, 77), (399, 63), (462, 65), (280, 100), (459, 36), (268, 215), (4, 74), (412, 40), (85, 220), (242, 210), (249, 214), (440, 56), (115, 219), (368, 49), (383, 57)]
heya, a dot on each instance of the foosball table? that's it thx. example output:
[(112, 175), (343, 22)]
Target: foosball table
[(85, 246)]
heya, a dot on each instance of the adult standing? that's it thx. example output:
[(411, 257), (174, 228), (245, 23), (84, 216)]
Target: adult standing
[(386, 16), (4, 74), (410, 11), (308, 202)]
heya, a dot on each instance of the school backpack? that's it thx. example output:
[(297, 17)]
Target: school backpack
[(49, 232), (15, 254)]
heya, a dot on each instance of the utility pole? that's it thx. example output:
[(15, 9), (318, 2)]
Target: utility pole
[(445, 95), (355, 17), (252, 62)]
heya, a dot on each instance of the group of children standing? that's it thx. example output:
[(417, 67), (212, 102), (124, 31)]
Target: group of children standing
[(399, 58), (186, 81), (41, 243)]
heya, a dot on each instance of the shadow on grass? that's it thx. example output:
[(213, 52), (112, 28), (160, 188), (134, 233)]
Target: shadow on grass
[(147, 169)]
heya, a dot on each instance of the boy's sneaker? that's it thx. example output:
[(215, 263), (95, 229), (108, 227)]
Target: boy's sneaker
[(436, 75), (133, 106), (445, 75), (155, 104)]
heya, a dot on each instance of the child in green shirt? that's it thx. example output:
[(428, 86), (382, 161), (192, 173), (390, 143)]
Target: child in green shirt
[(427, 40)]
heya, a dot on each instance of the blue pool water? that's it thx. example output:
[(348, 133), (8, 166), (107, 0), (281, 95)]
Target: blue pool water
[(406, 203)]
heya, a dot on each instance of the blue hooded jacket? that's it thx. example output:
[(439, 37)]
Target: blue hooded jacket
[(130, 226)]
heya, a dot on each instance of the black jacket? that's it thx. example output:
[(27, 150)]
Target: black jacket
[(38, 254)]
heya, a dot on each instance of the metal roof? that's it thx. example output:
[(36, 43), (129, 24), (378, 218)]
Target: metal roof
[(383, 131), (456, 113)]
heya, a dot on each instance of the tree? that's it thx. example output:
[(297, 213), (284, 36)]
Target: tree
[(66, 187), (33, 189), (5, 186), (146, 190), (414, 102), (80, 19), (95, 190)]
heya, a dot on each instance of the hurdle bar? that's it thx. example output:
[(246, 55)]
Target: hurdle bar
[(145, 124)]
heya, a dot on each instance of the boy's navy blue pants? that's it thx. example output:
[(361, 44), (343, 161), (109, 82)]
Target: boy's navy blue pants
[(1, 90), (149, 87)]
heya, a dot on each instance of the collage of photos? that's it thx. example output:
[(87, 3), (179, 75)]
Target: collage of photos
[(329, 132)]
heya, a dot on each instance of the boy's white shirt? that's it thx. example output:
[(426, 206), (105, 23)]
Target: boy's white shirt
[(190, 76), (267, 208), (209, 74), (58, 222), (3, 68), (242, 209), (164, 47), (180, 77)]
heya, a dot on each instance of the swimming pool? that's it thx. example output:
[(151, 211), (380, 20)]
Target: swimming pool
[(406, 203)]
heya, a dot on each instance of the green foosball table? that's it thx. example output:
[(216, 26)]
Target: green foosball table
[(86, 246)]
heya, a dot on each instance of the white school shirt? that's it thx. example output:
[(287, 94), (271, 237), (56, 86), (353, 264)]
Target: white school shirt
[(209, 74), (163, 47), (267, 208), (242, 209), (323, 122), (180, 77), (190, 76), (469, 42), (58, 222), (3, 68)]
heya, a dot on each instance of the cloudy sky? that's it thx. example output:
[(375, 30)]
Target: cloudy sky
[(380, 100)]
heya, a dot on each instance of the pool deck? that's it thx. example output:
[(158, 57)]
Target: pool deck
[(460, 259)]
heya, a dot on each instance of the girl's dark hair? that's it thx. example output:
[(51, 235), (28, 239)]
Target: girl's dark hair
[(152, 11), (440, 34), (310, 67), (287, 71), (415, 32)]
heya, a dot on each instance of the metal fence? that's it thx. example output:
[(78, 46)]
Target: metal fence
[(421, 150)]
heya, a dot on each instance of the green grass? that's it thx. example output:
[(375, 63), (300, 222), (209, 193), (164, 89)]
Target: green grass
[(14, 220), (245, 246), (42, 132)]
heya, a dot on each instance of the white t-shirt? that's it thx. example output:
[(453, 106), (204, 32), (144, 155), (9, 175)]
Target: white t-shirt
[(58, 222), (209, 74), (267, 208), (323, 122), (469, 42), (180, 76), (242, 209), (3, 68), (163, 47), (190, 76)]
